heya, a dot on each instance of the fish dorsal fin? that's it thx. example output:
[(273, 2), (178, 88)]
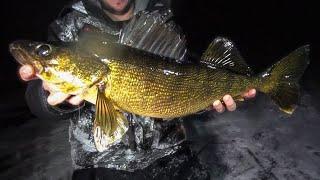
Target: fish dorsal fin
[(154, 33), (222, 53)]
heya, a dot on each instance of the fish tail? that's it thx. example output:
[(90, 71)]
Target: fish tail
[(280, 81)]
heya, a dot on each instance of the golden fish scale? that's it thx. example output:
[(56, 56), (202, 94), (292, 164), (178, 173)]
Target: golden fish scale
[(82, 68), (150, 86)]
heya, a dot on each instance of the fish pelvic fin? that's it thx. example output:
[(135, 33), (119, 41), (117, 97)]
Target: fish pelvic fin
[(281, 80), (109, 124)]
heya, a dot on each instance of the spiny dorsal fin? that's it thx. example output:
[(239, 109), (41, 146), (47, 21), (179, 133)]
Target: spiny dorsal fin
[(222, 53), (153, 32)]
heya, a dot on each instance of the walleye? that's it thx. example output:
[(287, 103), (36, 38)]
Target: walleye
[(121, 78)]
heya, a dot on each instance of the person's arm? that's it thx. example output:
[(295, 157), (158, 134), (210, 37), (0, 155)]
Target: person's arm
[(66, 28), (37, 100)]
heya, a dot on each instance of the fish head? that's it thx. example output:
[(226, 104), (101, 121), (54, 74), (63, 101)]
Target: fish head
[(41, 56), (57, 64)]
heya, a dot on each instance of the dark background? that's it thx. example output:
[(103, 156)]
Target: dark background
[(264, 32)]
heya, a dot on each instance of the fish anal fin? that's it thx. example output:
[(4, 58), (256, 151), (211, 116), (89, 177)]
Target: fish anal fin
[(109, 124), (222, 53)]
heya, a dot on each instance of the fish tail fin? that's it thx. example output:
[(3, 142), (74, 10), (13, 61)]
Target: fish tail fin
[(281, 80)]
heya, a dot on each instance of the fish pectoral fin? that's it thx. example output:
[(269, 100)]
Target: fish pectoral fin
[(109, 124)]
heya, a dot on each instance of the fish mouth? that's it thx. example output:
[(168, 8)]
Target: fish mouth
[(19, 53)]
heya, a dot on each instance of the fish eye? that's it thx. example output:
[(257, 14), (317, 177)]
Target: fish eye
[(43, 50)]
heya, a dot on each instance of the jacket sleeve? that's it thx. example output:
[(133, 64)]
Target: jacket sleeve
[(66, 28), (36, 98)]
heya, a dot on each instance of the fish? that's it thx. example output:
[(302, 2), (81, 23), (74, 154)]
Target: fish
[(119, 78)]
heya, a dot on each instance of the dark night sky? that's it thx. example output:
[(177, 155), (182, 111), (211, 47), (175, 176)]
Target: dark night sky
[(264, 31)]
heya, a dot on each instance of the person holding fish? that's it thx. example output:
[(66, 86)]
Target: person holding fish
[(114, 12), (107, 17)]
